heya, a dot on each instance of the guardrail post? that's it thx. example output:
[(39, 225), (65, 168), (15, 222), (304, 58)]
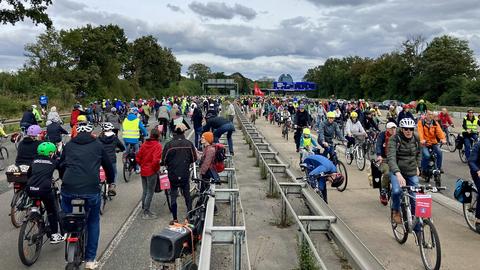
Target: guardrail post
[(233, 207), (283, 213), (237, 249)]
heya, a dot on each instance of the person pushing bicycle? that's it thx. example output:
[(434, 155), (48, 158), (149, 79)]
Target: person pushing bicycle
[(320, 170)]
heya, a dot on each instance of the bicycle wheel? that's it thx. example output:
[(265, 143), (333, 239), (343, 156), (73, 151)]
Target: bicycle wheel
[(30, 241), (451, 143), (104, 198), (429, 244), (126, 171), (3, 157), (400, 231), (360, 158), (348, 156), (18, 209), (168, 199), (343, 170), (469, 211), (18, 140), (461, 154)]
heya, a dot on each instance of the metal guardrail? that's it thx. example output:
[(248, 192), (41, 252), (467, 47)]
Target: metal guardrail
[(17, 121), (224, 235), (324, 218)]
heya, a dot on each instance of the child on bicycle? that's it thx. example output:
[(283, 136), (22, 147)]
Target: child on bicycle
[(39, 185), (111, 143)]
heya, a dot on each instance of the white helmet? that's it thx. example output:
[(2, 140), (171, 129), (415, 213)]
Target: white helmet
[(107, 126), (85, 127), (407, 123)]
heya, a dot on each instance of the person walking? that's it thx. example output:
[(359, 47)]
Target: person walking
[(230, 111), (149, 157)]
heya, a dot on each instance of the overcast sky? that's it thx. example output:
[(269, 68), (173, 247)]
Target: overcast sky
[(261, 38)]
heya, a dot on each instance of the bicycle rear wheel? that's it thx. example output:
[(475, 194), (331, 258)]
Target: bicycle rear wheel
[(127, 172), (461, 154), (469, 211), (3, 157), (360, 158), (30, 241), (451, 143), (343, 170), (18, 209), (429, 244)]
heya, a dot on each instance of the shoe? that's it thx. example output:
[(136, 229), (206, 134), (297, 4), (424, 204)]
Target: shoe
[(441, 171), (232, 153), (173, 221), (56, 238), (147, 215), (91, 265), (111, 190), (298, 150), (383, 197), (396, 217)]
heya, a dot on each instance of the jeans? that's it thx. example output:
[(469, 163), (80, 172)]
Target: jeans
[(198, 134), (148, 186), (185, 186), (297, 136), (397, 191), (320, 183), (426, 156), (468, 143), (92, 207), (115, 171), (226, 128), (328, 153)]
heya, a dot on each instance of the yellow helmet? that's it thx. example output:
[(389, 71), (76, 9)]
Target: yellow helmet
[(82, 118), (306, 131), (331, 115), (353, 115)]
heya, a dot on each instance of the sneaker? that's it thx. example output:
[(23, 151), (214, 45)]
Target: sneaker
[(56, 238), (441, 171), (111, 190), (396, 217), (383, 197), (91, 265), (147, 215), (173, 221)]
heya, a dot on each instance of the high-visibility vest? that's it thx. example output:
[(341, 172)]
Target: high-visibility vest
[(131, 129), (472, 124), (307, 142)]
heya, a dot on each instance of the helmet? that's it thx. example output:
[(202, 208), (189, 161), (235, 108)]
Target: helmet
[(407, 123), (306, 131), (133, 110), (84, 127), (353, 115), (34, 130), (421, 101), (76, 106), (113, 109), (372, 110), (331, 115), (34, 106), (46, 148), (391, 125), (81, 118), (107, 126), (337, 180)]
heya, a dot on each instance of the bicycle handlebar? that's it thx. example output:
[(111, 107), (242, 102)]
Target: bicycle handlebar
[(423, 188)]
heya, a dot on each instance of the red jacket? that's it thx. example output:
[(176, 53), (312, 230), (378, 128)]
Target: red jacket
[(73, 117), (445, 119), (149, 157)]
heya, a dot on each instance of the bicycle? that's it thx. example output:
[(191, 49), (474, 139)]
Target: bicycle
[(461, 152), (427, 237), (75, 225), (469, 208), (105, 196), (286, 128), (341, 168), (370, 144), (3, 154), (450, 137), (20, 200), (433, 171), (356, 152), (18, 137), (129, 163), (34, 228)]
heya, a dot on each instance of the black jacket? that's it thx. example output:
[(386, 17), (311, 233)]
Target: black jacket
[(28, 119), (197, 118), (27, 150), (40, 176), (110, 144), (302, 119), (80, 165), (54, 132), (178, 155), (214, 123)]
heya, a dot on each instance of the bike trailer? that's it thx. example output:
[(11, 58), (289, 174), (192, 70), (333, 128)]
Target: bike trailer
[(17, 174), (463, 191), (376, 175), (170, 244)]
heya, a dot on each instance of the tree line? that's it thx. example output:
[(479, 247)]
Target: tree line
[(443, 71)]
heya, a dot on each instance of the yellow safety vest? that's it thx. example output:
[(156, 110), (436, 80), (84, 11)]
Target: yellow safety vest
[(471, 124), (131, 129), (307, 142)]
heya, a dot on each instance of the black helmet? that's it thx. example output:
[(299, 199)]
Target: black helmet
[(337, 180)]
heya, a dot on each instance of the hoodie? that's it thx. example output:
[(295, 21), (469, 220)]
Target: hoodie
[(149, 157), (143, 130), (110, 144), (80, 165)]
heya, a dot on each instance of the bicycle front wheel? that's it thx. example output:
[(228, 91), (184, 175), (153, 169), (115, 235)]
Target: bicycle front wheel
[(348, 156), (3, 157), (30, 241), (400, 231), (451, 143), (429, 244), (360, 159), (469, 211), (461, 154), (167, 198), (343, 170)]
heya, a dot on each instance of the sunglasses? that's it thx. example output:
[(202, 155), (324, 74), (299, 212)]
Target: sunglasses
[(408, 129)]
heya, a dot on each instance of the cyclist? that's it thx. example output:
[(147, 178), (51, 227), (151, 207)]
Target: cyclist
[(405, 113), (81, 119), (354, 130), (43, 100), (369, 122), (403, 155), (381, 151), (470, 131), (113, 118), (38, 116), (446, 121), (27, 148), (55, 131), (327, 131), (53, 115), (28, 119), (429, 132), (74, 115), (110, 144), (317, 165), (421, 107), (474, 164), (392, 114), (80, 173), (132, 128), (302, 120), (39, 184), (306, 142)]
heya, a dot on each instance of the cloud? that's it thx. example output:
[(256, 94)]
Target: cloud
[(323, 3), (174, 8), (220, 10), (294, 21)]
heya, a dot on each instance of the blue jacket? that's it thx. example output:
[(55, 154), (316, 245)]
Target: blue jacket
[(43, 100), (474, 159), (320, 164), (143, 130)]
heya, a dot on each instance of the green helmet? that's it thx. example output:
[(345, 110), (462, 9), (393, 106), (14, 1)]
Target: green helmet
[(46, 148)]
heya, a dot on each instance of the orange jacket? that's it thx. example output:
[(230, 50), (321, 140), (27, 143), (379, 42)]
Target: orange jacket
[(431, 133)]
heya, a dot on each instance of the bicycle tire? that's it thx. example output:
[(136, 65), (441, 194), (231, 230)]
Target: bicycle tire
[(18, 140), (429, 240), (469, 211), (3, 157), (168, 200), (37, 242), (360, 159), (461, 154), (103, 198), (17, 213), (343, 170), (451, 146), (348, 157), (126, 171), (400, 231)]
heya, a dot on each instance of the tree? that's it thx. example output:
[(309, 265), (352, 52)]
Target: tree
[(199, 72), (16, 10)]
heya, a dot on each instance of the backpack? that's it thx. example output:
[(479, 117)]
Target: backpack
[(220, 156), (463, 191)]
